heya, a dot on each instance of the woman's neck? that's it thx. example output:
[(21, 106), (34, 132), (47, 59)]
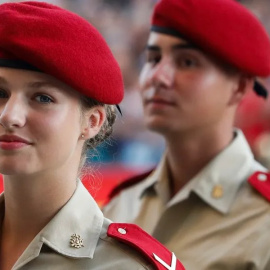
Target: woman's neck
[(31, 202)]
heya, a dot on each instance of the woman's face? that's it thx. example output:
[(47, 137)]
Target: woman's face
[(40, 123)]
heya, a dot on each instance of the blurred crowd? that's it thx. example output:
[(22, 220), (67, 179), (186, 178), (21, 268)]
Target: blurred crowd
[(125, 26)]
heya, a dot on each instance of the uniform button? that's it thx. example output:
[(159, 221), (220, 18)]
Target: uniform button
[(262, 177), (122, 231), (217, 192)]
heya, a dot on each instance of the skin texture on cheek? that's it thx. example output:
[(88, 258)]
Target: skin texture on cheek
[(63, 131), (55, 140)]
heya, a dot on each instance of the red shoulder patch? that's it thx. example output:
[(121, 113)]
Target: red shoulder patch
[(154, 251), (261, 182), (128, 183)]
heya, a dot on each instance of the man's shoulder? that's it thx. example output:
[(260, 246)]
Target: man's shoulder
[(128, 183), (260, 182), (134, 241)]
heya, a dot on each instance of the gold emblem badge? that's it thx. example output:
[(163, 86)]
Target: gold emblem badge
[(76, 241), (217, 192)]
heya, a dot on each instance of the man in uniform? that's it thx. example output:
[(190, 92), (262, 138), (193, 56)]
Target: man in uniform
[(208, 199)]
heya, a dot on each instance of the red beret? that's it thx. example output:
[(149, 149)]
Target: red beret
[(223, 28), (62, 44)]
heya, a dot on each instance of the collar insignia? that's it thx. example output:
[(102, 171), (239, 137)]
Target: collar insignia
[(76, 241)]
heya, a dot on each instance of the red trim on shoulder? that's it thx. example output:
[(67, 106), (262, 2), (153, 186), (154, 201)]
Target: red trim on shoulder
[(128, 183), (148, 246), (261, 182)]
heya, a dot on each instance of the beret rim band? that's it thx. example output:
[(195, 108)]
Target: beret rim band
[(17, 64), (166, 30)]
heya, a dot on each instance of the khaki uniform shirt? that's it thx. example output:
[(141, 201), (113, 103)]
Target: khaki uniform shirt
[(51, 249), (216, 222)]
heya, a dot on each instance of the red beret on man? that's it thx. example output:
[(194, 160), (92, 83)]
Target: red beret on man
[(43, 37), (224, 28)]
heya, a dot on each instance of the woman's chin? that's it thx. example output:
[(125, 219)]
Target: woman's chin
[(11, 171)]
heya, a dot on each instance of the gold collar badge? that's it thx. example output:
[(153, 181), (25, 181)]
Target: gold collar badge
[(76, 241)]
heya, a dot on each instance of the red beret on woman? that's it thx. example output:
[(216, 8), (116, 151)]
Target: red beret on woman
[(62, 44)]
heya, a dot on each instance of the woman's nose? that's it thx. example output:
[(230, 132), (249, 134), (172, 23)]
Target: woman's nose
[(12, 113)]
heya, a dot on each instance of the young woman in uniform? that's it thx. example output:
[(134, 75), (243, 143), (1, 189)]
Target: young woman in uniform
[(59, 84)]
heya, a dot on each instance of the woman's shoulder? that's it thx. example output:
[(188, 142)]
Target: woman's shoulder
[(130, 247)]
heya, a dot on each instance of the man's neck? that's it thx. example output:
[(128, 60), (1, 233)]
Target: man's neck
[(188, 155)]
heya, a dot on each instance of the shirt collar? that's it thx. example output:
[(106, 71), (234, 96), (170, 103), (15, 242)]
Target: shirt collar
[(226, 172), (155, 179), (82, 216)]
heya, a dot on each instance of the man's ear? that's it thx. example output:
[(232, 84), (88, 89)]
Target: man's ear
[(244, 84), (93, 121)]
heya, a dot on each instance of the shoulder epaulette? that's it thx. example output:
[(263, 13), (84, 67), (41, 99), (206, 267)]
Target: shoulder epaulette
[(261, 182), (128, 183), (148, 246)]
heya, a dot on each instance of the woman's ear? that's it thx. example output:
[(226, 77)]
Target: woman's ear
[(93, 121), (243, 85)]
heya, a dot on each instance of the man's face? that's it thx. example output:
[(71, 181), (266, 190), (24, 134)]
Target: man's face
[(182, 88)]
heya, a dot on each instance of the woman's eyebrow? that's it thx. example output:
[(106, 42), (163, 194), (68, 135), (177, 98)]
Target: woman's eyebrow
[(40, 85)]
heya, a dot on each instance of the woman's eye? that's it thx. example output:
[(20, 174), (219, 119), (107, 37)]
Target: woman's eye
[(43, 99)]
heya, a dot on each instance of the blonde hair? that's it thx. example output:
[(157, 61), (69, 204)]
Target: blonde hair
[(106, 129)]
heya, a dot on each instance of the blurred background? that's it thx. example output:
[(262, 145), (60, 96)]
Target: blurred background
[(132, 149)]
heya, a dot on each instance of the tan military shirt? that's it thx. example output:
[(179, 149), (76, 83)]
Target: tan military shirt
[(51, 249), (217, 221)]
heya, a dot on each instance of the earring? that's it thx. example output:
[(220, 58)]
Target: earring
[(82, 136)]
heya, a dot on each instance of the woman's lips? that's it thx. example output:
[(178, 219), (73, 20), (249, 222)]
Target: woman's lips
[(12, 145), (12, 142)]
